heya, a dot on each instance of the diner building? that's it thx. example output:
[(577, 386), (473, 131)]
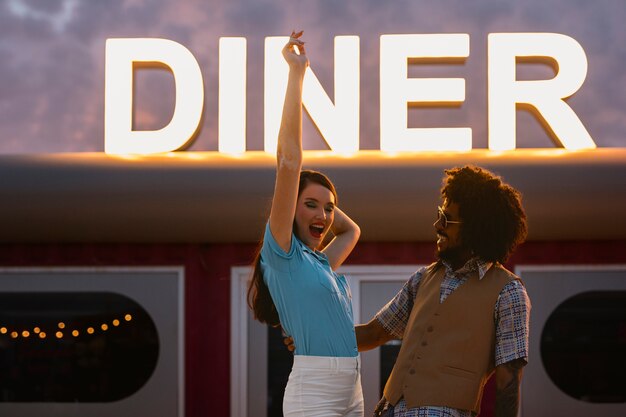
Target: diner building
[(123, 278)]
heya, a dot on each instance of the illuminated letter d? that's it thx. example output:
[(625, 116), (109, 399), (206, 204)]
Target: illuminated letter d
[(119, 138)]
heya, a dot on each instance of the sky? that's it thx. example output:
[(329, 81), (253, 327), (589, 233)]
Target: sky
[(52, 62)]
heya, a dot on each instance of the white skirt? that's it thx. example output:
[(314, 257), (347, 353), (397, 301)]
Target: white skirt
[(322, 386)]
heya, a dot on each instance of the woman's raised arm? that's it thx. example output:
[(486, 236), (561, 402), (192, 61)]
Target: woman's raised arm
[(289, 150)]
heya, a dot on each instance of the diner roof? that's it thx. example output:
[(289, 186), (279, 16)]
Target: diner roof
[(212, 197)]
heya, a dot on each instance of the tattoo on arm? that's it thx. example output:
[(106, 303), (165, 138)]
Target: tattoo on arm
[(507, 392)]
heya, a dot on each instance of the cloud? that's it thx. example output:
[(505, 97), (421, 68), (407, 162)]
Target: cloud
[(52, 61), (45, 7)]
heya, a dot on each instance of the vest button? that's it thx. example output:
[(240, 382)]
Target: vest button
[(412, 371), (430, 328), (424, 343)]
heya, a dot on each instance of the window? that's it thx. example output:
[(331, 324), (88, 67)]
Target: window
[(74, 347), (573, 325), (388, 354), (583, 344), (260, 363), (135, 366)]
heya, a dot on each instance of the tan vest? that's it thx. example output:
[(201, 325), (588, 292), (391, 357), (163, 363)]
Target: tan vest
[(447, 352)]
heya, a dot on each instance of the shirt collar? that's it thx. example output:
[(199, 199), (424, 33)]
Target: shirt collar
[(475, 264), (318, 254)]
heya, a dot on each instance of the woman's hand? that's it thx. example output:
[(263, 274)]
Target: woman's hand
[(347, 233), (297, 60), (342, 223)]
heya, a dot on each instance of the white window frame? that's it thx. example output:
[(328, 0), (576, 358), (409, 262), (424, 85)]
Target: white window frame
[(179, 272), (535, 375), (355, 275)]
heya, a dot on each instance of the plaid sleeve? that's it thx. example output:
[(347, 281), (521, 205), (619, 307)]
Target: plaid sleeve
[(512, 316), (395, 314)]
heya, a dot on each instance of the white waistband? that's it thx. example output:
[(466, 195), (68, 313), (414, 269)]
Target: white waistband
[(326, 362)]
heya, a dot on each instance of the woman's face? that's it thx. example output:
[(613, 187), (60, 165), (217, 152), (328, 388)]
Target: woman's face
[(314, 214)]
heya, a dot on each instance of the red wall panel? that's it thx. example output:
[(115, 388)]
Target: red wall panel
[(207, 291)]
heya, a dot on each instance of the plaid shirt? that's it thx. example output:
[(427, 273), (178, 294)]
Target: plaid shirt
[(511, 318)]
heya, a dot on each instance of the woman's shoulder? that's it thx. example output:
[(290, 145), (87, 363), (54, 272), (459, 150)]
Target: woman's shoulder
[(275, 256)]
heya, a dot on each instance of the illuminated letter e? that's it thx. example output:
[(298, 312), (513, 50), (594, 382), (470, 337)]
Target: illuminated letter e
[(545, 98)]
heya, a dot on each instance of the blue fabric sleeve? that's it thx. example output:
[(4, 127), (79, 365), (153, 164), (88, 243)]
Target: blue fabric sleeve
[(273, 254)]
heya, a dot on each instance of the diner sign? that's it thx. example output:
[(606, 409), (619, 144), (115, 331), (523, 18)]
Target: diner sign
[(338, 120)]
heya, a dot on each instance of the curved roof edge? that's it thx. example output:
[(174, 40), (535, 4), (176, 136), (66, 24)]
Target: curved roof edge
[(211, 197)]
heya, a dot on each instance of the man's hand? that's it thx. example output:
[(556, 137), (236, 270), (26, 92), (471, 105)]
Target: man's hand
[(368, 336), (288, 341)]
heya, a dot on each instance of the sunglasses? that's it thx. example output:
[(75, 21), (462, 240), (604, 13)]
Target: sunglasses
[(441, 217)]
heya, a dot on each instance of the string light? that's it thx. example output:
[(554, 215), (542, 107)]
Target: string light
[(37, 330)]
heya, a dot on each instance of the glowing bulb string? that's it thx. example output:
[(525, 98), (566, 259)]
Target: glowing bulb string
[(61, 330)]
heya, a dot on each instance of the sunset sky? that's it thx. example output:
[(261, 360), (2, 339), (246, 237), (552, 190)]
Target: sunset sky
[(52, 62)]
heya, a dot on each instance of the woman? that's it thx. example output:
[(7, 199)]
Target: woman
[(309, 300)]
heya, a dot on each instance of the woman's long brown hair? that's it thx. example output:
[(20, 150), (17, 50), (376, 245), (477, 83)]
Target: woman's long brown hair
[(259, 297)]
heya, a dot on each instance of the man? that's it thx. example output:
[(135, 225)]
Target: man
[(464, 316)]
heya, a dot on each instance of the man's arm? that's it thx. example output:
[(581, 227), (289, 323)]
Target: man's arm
[(368, 336), (395, 314), (508, 379), (512, 319), (371, 335), (390, 322)]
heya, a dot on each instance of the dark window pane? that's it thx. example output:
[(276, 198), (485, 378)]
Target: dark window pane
[(388, 355), (74, 347), (279, 364), (583, 346)]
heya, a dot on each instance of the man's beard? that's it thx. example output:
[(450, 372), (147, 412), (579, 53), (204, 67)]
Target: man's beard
[(453, 255)]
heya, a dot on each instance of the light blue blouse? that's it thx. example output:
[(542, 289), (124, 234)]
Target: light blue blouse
[(313, 302)]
